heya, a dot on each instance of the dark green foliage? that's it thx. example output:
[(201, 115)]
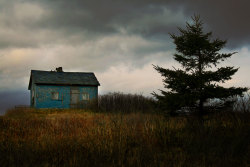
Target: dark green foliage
[(199, 78)]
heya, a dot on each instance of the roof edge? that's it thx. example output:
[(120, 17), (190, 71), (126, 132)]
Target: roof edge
[(68, 84)]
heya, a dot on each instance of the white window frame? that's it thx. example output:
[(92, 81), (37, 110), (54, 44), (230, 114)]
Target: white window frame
[(85, 96)]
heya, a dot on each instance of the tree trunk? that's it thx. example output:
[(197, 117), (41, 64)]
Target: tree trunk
[(200, 84)]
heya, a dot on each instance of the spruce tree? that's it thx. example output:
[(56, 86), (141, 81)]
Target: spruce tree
[(199, 78)]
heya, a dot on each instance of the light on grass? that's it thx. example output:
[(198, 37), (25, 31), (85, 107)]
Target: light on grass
[(80, 138)]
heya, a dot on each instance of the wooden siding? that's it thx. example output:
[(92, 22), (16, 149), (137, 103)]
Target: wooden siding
[(43, 95)]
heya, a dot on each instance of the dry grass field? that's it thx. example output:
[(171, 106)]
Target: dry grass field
[(30, 137)]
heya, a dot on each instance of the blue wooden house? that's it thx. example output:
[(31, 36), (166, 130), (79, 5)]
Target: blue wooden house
[(58, 89)]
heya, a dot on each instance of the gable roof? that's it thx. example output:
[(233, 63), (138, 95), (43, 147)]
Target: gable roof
[(63, 78)]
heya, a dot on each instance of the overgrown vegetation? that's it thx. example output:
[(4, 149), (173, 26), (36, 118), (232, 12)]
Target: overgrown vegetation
[(123, 103), (46, 137), (242, 104)]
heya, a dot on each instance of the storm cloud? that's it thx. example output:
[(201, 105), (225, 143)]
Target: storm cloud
[(41, 22), (11, 98), (118, 40)]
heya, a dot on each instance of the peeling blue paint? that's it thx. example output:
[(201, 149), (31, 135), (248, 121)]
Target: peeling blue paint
[(43, 95)]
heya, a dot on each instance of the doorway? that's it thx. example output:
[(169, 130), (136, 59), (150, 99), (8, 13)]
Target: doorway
[(74, 97)]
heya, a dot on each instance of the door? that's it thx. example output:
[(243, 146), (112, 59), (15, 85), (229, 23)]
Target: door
[(74, 97)]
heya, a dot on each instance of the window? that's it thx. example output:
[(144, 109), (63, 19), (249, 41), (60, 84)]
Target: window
[(85, 96), (54, 95)]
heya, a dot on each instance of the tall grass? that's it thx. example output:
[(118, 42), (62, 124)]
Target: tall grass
[(80, 138)]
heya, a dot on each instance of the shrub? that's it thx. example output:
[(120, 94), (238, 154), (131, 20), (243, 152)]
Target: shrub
[(124, 103)]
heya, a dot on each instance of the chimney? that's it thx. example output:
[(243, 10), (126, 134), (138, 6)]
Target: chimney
[(59, 69)]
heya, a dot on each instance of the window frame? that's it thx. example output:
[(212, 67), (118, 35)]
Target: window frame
[(84, 97), (53, 97)]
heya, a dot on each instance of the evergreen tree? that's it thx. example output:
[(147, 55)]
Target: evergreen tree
[(198, 79)]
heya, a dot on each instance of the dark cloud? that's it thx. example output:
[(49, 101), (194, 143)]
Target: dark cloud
[(140, 17), (59, 20), (40, 22), (226, 18), (91, 35), (10, 99)]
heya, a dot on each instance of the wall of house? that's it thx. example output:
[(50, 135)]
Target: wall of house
[(33, 87), (43, 95)]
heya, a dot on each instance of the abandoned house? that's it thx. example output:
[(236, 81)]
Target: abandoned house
[(58, 89)]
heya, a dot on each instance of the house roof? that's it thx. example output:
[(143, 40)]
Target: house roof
[(63, 78)]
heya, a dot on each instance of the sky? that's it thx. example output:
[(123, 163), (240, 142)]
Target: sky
[(118, 40)]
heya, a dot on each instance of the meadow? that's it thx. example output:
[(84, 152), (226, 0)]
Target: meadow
[(54, 137)]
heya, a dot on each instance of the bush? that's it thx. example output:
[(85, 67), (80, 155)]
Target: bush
[(242, 104), (124, 103)]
